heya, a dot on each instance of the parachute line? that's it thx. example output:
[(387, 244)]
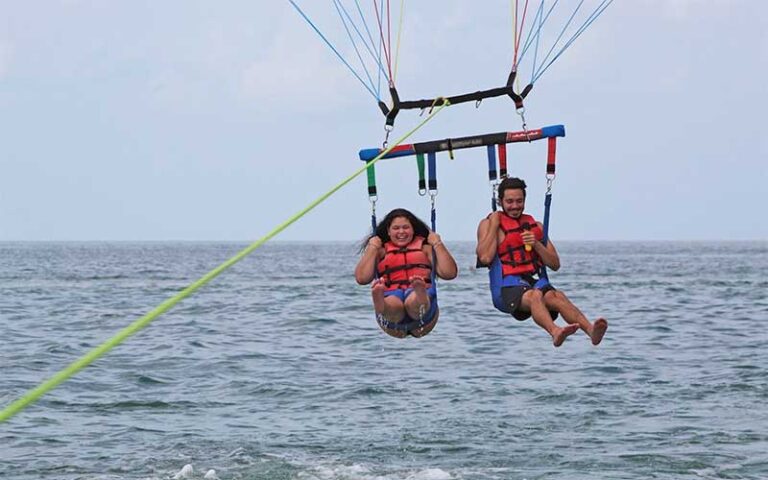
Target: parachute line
[(370, 47), (399, 33), (330, 45), (354, 44), (519, 31), (589, 21), (373, 46), (540, 21), (530, 38), (389, 37), (560, 36), (535, 37), (381, 45), (384, 43)]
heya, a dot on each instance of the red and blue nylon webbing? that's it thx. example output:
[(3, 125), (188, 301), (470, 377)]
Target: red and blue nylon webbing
[(492, 173), (503, 160), (466, 142)]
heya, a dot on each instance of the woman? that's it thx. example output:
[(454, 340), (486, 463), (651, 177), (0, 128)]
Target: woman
[(398, 259)]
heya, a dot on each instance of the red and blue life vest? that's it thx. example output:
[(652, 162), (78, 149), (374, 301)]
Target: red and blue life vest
[(515, 260), (401, 263)]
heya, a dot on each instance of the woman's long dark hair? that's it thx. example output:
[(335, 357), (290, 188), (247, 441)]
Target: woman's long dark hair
[(382, 228)]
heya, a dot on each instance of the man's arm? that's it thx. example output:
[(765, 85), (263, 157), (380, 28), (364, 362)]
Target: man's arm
[(548, 254), (488, 239)]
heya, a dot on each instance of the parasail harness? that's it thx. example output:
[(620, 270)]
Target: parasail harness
[(496, 147)]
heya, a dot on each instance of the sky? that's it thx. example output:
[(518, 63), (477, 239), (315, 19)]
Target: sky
[(200, 120)]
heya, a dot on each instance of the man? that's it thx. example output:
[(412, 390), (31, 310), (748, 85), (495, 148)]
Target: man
[(509, 242)]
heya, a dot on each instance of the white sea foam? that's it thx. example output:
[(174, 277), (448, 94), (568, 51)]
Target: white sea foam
[(431, 474), (362, 472), (185, 472)]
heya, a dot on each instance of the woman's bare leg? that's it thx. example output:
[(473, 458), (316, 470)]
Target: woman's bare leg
[(417, 303), (391, 308)]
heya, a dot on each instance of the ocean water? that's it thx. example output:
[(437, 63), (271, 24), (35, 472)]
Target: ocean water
[(277, 370)]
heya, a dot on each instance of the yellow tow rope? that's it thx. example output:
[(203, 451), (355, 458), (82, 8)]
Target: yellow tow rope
[(32, 395)]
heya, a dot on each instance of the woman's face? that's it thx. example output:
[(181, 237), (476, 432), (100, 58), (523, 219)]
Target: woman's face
[(400, 231)]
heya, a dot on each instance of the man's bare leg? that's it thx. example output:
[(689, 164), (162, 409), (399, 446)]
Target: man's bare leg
[(558, 301), (533, 301)]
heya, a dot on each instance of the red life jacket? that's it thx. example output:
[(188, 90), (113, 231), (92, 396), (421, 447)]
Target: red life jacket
[(514, 259), (401, 263)]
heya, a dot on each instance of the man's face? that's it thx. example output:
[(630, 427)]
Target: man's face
[(513, 202)]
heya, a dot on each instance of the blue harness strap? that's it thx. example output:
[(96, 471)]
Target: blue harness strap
[(545, 239), (432, 169), (499, 281), (551, 165), (492, 174)]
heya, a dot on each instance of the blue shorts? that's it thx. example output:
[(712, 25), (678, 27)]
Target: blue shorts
[(408, 323)]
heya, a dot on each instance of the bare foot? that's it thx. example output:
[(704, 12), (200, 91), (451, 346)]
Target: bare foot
[(559, 337), (419, 290), (417, 303), (598, 330), (377, 293)]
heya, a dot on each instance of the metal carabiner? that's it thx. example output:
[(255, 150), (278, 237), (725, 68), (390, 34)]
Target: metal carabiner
[(521, 112), (432, 196), (550, 180), (385, 143)]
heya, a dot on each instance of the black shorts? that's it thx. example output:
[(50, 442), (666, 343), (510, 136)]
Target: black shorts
[(513, 296)]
